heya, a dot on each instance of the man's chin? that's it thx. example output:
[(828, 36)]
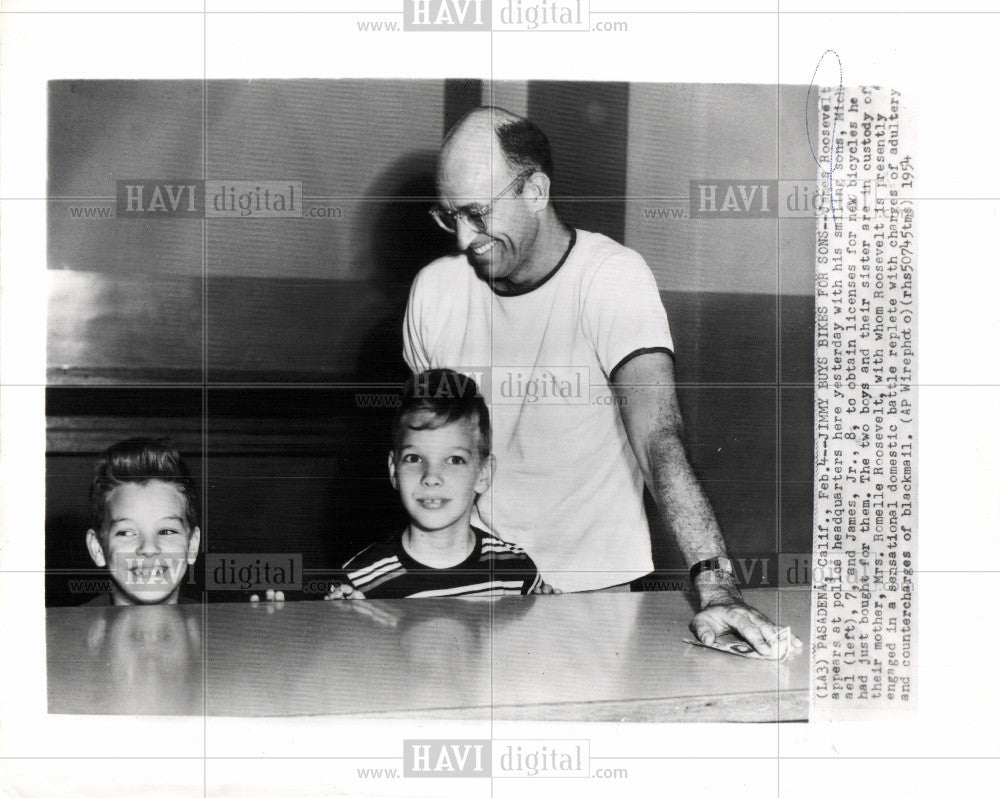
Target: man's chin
[(485, 267)]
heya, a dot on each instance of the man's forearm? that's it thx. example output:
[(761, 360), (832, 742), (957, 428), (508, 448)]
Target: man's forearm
[(652, 418), (689, 515)]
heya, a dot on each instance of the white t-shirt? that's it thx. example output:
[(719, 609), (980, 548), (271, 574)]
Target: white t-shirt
[(567, 488)]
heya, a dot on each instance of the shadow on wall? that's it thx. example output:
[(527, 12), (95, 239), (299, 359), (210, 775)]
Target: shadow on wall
[(395, 239)]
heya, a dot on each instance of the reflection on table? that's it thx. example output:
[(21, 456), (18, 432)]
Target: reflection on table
[(597, 656)]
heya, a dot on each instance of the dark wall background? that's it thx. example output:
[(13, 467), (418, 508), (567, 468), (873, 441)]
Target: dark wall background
[(295, 318)]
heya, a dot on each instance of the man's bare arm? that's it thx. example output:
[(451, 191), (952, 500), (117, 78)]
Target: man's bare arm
[(651, 415)]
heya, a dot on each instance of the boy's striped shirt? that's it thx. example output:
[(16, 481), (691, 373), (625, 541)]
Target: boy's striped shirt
[(495, 567)]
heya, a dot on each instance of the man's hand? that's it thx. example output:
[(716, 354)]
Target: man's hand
[(343, 591), (723, 611), (752, 625)]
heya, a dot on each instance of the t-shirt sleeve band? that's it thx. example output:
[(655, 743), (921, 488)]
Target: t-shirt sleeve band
[(635, 354)]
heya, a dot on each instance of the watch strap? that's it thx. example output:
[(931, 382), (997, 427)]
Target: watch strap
[(712, 564)]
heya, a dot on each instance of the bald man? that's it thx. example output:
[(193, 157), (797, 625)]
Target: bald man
[(569, 326)]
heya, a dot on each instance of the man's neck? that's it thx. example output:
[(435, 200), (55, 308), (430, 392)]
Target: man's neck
[(547, 253), (440, 548)]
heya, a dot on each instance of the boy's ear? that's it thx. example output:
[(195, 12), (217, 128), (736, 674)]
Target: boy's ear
[(194, 541), (486, 474), (392, 470), (96, 549)]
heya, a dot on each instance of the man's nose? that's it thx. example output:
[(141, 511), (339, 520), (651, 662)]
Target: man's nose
[(465, 232)]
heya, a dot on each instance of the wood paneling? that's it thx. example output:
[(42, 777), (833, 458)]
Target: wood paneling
[(114, 330), (460, 97), (362, 149), (587, 125), (683, 132)]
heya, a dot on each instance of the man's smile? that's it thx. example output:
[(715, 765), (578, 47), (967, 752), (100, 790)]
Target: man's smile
[(482, 249)]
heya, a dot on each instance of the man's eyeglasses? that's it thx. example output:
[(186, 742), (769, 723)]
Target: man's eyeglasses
[(475, 217)]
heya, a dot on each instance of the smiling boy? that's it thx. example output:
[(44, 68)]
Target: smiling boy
[(440, 463), (145, 522)]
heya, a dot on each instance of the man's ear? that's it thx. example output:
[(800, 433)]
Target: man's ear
[(96, 549), (486, 474), (193, 542), (536, 190), (392, 470)]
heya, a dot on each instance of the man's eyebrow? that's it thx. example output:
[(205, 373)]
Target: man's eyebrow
[(120, 520), (475, 205)]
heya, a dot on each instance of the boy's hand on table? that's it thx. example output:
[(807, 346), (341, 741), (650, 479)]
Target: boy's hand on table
[(343, 591), (545, 589), (273, 600), (723, 610)]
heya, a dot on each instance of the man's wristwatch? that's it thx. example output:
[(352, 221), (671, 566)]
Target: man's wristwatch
[(714, 564)]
